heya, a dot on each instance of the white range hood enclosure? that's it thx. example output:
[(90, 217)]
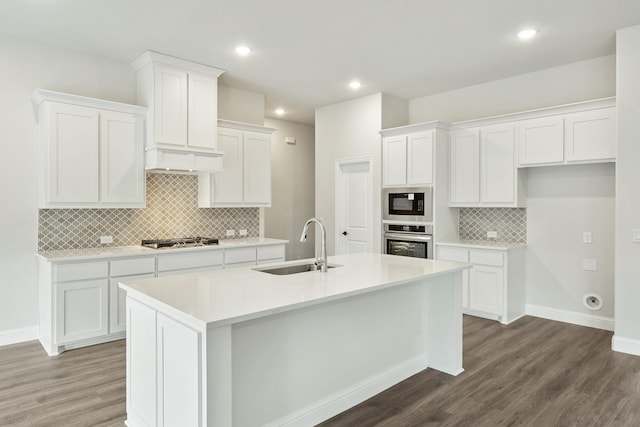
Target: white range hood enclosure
[(182, 97), (166, 159)]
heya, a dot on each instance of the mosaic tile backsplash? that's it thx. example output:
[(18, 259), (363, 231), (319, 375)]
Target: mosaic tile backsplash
[(172, 211), (509, 223)]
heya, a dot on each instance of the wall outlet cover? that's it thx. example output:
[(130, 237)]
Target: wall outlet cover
[(106, 239), (586, 237), (231, 233), (589, 264), (492, 234), (242, 232)]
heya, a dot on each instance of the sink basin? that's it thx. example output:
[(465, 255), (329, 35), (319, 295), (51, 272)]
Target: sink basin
[(293, 269)]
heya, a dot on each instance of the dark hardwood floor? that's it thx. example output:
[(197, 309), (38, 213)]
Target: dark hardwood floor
[(534, 372)]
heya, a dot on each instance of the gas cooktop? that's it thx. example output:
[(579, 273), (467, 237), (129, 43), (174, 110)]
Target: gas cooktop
[(183, 242)]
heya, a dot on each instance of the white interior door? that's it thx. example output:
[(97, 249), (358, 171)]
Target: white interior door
[(354, 206)]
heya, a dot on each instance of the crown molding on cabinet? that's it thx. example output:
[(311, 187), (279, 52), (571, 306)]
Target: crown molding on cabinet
[(419, 127), (160, 58), (41, 95), (248, 127)]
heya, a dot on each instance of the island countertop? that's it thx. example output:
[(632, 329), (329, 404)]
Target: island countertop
[(222, 297)]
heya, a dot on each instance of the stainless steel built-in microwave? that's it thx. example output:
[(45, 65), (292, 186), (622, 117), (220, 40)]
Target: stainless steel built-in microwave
[(408, 204)]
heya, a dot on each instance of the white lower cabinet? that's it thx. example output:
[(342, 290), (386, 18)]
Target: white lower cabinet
[(495, 287), (82, 304), (82, 310)]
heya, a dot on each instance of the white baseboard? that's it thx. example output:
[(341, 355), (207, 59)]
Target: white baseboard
[(14, 336), (625, 345), (345, 399), (582, 319)]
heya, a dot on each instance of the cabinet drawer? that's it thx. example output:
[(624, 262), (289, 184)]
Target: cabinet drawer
[(448, 253), (80, 271), (236, 255), (133, 266), (271, 252), (191, 259), (486, 257)]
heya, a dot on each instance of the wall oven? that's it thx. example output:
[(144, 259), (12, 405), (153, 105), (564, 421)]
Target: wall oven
[(407, 204), (409, 240)]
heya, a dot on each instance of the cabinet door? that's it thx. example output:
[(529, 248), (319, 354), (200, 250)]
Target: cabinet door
[(203, 111), (394, 161), (420, 159), (72, 144), (591, 135), (170, 106), (227, 185), (179, 390), (486, 289), (117, 302), (81, 310), (541, 141), (122, 175), (257, 169), (497, 167), (465, 166)]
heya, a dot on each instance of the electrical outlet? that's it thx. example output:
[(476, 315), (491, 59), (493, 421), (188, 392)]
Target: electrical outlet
[(106, 239), (492, 234), (586, 237), (231, 233), (589, 264), (242, 232)]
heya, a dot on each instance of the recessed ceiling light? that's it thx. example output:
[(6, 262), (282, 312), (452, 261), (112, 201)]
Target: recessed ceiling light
[(280, 111), (354, 84), (527, 33), (243, 50)]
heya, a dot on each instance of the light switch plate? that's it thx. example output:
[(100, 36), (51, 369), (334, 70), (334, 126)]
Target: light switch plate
[(589, 264), (636, 236), (586, 237)]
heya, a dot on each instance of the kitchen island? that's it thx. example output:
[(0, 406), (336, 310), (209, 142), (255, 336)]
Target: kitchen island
[(243, 347)]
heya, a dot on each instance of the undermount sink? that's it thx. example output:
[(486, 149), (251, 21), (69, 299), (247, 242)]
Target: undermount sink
[(292, 269)]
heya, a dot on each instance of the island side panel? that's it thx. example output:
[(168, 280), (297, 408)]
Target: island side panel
[(304, 366), (444, 323), (218, 376)]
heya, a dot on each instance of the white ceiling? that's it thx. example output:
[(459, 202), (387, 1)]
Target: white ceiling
[(305, 52)]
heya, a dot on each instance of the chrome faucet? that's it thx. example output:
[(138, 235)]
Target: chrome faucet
[(322, 260)]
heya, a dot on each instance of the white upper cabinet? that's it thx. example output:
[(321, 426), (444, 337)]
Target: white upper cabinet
[(590, 136), (408, 160), (182, 122), (541, 141), (483, 170), (91, 152), (246, 179), (465, 166), (577, 133)]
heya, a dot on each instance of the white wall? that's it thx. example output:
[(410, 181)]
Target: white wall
[(240, 105), (580, 81), (563, 201), (25, 66), (292, 186), (350, 130), (627, 267)]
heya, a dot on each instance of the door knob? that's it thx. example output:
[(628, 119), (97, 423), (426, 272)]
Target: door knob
[(344, 233)]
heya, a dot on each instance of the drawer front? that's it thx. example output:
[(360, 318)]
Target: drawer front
[(486, 257), (133, 266), (449, 253), (236, 255), (271, 252), (80, 271), (191, 259)]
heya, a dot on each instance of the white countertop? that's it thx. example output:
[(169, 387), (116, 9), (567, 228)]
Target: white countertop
[(124, 251), (505, 246), (223, 297)]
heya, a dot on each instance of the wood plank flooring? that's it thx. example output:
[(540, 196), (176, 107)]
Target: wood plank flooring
[(534, 372)]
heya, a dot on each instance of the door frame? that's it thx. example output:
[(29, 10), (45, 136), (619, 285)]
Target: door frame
[(338, 207)]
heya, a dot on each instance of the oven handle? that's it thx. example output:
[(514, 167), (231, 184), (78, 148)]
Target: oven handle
[(409, 237)]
